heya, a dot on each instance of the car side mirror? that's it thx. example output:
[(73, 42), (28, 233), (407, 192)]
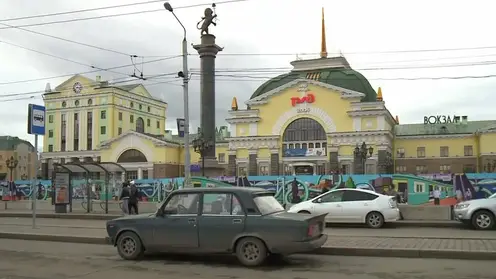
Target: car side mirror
[(319, 200)]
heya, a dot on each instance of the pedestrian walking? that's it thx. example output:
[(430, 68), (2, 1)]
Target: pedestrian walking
[(124, 197), (134, 196), (437, 195)]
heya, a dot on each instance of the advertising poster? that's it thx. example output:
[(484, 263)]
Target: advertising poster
[(62, 190)]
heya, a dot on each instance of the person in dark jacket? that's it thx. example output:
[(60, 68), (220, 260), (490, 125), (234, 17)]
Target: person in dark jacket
[(294, 191), (124, 197), (134, 196)]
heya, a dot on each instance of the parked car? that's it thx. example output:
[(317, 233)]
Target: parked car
[(248, 222), (352, 206), (480, 213)]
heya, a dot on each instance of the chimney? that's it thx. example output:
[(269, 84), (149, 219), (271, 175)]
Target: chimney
[(98, 78), (464, 120), (48, 88)]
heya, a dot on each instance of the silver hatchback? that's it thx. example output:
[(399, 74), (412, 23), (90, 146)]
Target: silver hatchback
[(480, 213)]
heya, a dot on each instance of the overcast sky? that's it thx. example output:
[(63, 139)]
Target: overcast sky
[(373, 35)]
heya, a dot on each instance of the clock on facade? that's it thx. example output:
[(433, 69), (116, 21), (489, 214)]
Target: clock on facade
[(77, 87)]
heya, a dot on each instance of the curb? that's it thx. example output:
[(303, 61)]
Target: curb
[(71, 216), (405, 253), (330, 251), (55, 238)]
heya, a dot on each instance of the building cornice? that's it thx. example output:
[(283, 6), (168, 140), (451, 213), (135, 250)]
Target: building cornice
[(243, 120), (157, 142), (69, 154), (264, 98), (435, 158), (373, 112), (443, 136), (244, 113), (271, 142)]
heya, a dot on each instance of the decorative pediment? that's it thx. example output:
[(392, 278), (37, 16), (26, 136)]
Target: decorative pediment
[(156, 141), (264, 98)]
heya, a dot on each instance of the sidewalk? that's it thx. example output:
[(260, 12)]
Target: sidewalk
[(395, 242)]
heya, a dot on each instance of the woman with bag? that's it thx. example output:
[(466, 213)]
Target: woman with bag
[(124, 197)]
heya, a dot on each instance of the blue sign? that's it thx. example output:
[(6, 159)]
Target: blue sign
[(36, 120), (295, 152), (180, 127), (194, 168)]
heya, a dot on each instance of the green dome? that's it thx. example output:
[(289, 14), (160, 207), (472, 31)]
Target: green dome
[(340, 77)]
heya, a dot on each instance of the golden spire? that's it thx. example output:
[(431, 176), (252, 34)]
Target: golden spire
[(379, 95), (323, 47), (234, 104), (397, 120)]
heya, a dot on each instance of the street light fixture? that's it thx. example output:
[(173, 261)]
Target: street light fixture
[(363, 153), (201, 146), (11, 165), (185, 76)]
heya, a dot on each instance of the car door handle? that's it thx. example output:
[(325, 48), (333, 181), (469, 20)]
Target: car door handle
[(237, 221), (366, 204), (191, 220)]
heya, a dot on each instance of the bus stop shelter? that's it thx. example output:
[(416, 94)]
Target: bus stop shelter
[(86, 168)]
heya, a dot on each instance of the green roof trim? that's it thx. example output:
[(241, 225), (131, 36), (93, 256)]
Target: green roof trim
[(340, 77), (10, 143), (470, 127)]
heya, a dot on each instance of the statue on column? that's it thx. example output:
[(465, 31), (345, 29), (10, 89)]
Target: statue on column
[(207, 20)]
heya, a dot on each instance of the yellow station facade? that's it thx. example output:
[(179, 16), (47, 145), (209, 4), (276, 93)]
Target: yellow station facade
[(308, 121)]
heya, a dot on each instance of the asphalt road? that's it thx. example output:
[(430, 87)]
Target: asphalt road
[(36, 260)]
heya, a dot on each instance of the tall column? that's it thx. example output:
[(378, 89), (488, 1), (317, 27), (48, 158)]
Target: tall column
[(231, 163), (333, 158), (208, 51), (274, 162), (252, 163)]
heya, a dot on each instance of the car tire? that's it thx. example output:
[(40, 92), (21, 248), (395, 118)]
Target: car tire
[(483, 220), (129, 246), (374, 220), (304, 212), (251, 251)]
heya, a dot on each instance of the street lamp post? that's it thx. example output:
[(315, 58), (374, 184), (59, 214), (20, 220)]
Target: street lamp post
[(363, 153), (388, 163), (185, 76), (11, 165), (201, 146)]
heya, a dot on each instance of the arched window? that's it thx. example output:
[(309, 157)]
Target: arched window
[(132, 156), (304, 129), (140, 125)]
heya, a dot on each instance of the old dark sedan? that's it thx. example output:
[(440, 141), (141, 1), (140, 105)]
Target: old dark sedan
[(248, 222)]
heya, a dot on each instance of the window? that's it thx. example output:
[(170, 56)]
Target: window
[(263, 170), (222, 157), (182, 204), (50, 119), (76, 103), (420, 152), (90, 102), (304, 129), (350, 195), (119, 131), (140, 125), (103, 130), (400, 153), (334, 196), (470, 168), (103, 114), (267, 204), (400, 169), (50, 148), (120, 116), (50, 133), (421, 169), (148, 109), (76, 132), (63, 132), (89, 133), (144, 174), (131, 118), (242, 171), (131, 104), (158, 124), (131, 175), (140, 106), (444, 151), (288, 170), (444, 168), (468, 150), (418, 187), (148, 123), (221, 204), (64, 104)]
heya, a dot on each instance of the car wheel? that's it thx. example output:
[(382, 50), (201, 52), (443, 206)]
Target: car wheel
[(129, 246), (483, 220), (374, 220), (251, 251), (304, 212)]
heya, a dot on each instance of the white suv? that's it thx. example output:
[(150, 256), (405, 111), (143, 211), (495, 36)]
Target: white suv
[(352, 206)]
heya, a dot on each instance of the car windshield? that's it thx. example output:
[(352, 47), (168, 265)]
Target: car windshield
[(493, 196), (267, 204)]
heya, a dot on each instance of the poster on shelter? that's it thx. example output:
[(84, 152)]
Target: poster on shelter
[(62, 188)]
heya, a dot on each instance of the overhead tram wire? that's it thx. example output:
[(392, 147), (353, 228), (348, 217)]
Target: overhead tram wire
[(88, 72), (116, 15), (80, 11)]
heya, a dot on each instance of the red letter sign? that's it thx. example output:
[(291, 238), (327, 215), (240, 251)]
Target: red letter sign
[(309, 98)]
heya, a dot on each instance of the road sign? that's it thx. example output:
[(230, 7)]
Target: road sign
[(36, 120), (180, 127)]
